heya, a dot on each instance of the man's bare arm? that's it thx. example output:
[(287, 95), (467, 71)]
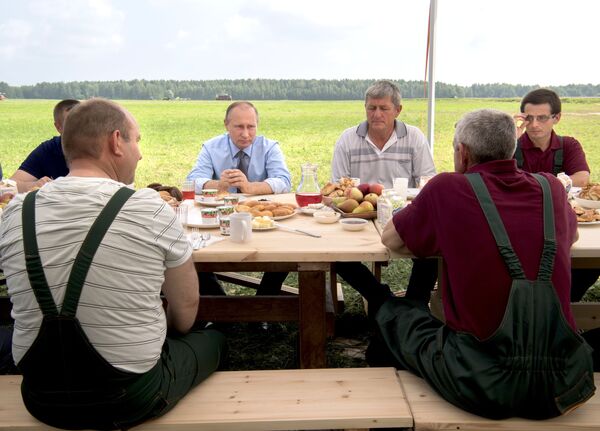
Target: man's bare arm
[(26, 181), (181, 291)]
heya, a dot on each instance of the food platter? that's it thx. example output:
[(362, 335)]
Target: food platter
[(277, 218), (259, 229)]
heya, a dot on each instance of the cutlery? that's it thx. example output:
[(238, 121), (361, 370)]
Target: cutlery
[(203, 239), (291, 229)]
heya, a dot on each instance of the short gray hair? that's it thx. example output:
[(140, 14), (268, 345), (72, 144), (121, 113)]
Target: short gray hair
[(383, 88), (488, 133)]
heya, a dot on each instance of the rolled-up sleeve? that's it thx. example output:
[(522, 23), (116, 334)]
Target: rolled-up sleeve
[(278, 175)]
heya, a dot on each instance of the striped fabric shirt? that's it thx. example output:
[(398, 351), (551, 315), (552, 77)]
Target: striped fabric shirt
[(120, 309), (405, 155)]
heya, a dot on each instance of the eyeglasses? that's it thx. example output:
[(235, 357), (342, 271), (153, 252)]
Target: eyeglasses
[(539, 118)]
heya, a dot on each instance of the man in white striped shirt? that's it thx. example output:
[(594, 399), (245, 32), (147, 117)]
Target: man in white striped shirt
[(122, 324), (377, 151)]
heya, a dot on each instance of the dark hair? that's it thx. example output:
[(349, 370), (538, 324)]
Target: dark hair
[(541, 96), (240, 103), (88, 123), (62, 107)]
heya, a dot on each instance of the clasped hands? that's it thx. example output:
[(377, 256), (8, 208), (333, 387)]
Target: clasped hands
[(233, 178)]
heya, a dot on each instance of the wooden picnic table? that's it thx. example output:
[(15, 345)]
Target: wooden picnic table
[(280, 250)]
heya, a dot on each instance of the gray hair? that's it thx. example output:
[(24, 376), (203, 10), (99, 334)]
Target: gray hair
[(383, 88), (488, 133)]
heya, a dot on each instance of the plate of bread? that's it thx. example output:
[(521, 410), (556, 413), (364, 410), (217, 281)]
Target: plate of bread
[(272, 209)]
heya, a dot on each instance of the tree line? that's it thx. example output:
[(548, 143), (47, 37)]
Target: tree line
[(268, 89)]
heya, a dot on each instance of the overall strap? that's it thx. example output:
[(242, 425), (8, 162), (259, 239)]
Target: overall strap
[(549, 250), (88, 249), (33, 263), (519, 154), (497, 227), (558, 158)]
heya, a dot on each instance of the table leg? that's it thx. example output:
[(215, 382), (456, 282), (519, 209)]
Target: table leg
[(312, 325)]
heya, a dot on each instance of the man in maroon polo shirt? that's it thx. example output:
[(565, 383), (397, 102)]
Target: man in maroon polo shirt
[(502, 327), (540, 149)]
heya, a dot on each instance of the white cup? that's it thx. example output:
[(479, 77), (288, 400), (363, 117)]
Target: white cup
[(240, 229), (401, 187)]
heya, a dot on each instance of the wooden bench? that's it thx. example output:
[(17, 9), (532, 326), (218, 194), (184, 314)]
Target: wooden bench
[(432, 412), (337, 398)]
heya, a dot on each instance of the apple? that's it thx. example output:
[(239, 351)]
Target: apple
[(364, 188), (376, 188), (354, 193)]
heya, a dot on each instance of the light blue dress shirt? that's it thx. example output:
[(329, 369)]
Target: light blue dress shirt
[(266, 163)]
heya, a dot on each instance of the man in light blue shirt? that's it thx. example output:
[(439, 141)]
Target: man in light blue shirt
[(239, 160)]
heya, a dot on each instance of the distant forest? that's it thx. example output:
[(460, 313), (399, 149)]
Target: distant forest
[(267, 89)]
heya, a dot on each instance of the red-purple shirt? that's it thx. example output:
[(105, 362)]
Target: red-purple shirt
[(446, 220), (536, 160)]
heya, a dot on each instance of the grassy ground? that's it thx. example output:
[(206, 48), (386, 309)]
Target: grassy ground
[(173, 131)]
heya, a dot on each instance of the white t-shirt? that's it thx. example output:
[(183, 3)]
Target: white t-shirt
[(120, 309)]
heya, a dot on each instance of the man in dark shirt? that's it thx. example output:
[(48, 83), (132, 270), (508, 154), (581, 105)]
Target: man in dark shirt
[(509, 345), (47, 161)]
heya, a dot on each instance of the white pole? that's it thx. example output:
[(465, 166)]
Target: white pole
[(431, 101)]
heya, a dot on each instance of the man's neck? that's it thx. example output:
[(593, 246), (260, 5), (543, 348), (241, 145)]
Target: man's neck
[(84, 168), (381, 138)]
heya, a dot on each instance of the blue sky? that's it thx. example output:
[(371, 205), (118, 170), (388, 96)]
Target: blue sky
[(546, 42)]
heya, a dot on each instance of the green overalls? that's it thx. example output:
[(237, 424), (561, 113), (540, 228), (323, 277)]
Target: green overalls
[(67, 383), (534, 365)]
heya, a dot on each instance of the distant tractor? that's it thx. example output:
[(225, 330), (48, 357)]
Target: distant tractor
[(2, 96), (223, 96)]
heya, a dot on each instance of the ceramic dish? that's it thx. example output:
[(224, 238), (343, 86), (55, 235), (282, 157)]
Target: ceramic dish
[(198, 222), (354, 224), (326, 216), (587, 203), (258, 229), (220, 202)]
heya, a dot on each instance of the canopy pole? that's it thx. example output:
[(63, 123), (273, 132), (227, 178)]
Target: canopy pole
[(431, 79)]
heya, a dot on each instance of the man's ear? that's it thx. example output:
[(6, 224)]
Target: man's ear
[(557, 118), (464, 157), (115, 144), (58, 127)]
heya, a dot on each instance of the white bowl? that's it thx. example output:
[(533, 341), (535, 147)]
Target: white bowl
[(354, 224), (587, 203), (325, 216)]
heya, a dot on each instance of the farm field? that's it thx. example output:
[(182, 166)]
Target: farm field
[(173, 131)]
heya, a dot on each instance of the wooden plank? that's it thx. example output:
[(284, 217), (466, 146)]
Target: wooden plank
[(248, 308), (249, 281), (432, 412), (263, 400), (312, 333), (586, 314)]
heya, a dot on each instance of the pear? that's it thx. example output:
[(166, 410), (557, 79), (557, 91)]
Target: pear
[(338, 200), (364, 207), (354, 193), (371, 197), (348, 205)]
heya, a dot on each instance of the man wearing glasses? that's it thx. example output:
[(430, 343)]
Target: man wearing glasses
[(539, 148)]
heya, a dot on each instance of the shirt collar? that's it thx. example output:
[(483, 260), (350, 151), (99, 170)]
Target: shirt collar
[(234, 150), (495, 167)]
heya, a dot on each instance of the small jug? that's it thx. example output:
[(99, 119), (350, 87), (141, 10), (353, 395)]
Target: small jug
[(308, 191), (240, 227)]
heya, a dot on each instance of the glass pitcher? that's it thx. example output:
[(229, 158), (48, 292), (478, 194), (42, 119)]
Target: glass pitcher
[(308, 191)]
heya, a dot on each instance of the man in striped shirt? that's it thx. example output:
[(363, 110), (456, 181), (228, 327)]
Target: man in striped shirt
[(120, 322)]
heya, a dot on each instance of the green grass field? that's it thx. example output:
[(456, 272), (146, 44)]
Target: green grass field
[(173, 131)]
